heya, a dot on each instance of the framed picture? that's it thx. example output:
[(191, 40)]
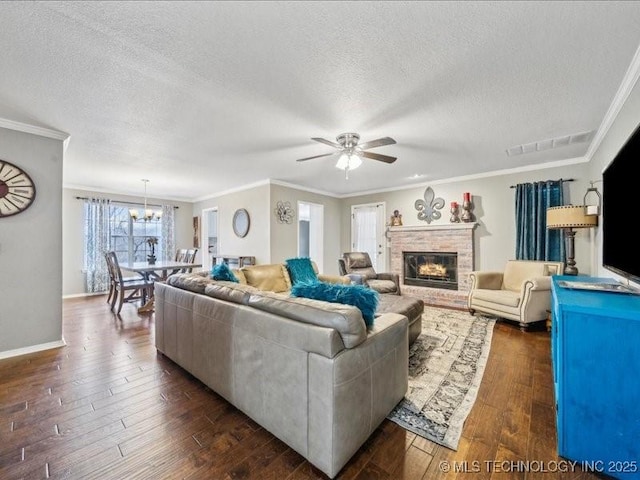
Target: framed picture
[(196, 232)]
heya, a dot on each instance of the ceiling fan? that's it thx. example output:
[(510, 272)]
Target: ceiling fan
[(351, 153)]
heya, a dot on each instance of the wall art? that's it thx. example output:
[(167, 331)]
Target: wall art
[(284, 212), (428, 208)]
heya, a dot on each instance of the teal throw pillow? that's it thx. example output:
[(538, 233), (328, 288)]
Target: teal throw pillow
[(223, 272), (301, 270), (359, 296)]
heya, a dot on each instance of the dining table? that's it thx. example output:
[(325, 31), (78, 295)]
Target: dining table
[(158, 271)]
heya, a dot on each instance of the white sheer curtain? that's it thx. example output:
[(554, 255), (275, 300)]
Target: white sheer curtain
[(168, 232), (364, 232), (97, 229)]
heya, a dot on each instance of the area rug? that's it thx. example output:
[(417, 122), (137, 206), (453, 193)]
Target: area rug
[(446, 364)]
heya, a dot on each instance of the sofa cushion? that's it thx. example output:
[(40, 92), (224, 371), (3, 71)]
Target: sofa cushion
[(365, 299), (382, 286), (516, 272), (301, 270), (345, 319), (230, 291), (508, 298), (223, 272), (194, 282), (358, 260), (270, 278), (410, 307)]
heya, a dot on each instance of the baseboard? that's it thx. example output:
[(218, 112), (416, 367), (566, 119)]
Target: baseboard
[(32, 349), (80, 295)]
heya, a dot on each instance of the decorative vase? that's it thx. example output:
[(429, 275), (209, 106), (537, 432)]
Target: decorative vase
[(152, 258), (467, 216), (466, 212), (455, 211)]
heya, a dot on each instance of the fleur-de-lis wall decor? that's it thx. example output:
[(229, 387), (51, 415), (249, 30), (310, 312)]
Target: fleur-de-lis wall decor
[(428, 208)]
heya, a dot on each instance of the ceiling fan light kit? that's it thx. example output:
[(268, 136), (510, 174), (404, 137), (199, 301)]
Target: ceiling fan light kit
[(351, 153)]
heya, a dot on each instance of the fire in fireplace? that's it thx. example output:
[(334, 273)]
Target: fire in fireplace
[(431, 269)]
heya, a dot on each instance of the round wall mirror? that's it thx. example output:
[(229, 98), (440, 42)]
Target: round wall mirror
[(241, 222)]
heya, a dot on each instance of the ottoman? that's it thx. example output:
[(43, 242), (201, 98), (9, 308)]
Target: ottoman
[(412, 308)]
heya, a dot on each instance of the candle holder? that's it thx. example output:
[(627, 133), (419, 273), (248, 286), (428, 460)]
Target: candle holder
[(455, 211), (467, 216)]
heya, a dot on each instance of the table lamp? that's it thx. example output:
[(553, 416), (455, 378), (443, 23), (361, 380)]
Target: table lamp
[(569, 217)]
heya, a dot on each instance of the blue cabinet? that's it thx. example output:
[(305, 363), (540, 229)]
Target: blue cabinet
[(596, 368)]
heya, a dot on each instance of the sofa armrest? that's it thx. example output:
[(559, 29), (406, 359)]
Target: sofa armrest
[(394, 277), (538, 283), (341, 279), (535, 299), (486, 280), (352, 393)]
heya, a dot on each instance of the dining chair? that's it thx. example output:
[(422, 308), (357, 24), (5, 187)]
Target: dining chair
[(186, 255), (127, 291), (190, 257), (180, 254), (112, 277)]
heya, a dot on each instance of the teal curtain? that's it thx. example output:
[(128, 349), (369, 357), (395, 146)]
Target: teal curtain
[(533, 240)]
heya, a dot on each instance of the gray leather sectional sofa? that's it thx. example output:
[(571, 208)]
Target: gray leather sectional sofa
[(307, 371)]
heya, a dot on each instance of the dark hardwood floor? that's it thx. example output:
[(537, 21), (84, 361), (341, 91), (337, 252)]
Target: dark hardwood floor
[(108, 406)]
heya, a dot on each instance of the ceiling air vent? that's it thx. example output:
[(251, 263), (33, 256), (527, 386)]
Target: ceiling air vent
[(550, 143)]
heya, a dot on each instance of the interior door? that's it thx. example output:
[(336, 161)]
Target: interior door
[(367, 233), (210, 236)]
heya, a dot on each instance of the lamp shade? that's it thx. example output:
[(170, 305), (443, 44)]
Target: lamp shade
[(348, 161), (570, 216)]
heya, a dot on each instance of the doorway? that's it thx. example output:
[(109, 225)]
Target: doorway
[(311, 232), (368, 232), (209, 236)]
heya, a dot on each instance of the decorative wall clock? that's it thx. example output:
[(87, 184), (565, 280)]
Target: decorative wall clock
[(17, 190)]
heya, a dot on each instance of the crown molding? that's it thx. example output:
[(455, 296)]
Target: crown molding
[(304, 189), (33, 129), (85, 188), (241, 188), (628, 82), (465, 178)]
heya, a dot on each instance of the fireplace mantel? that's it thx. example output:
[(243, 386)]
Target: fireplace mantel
[(444, 226)]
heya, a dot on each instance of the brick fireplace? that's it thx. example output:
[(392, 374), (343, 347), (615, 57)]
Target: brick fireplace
[(434, 261)]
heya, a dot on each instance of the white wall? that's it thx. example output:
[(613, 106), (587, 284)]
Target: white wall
[(494, 209), (31, 248), (256, 201), (284, 237), (622, 127), (73, 276)]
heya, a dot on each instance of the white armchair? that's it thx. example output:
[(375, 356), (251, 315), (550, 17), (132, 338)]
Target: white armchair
[(521, 293)]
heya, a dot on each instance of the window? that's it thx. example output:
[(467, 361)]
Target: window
[(128, 238), (109, 227)]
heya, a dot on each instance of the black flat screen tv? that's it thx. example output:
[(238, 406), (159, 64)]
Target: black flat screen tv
[(620, 184)]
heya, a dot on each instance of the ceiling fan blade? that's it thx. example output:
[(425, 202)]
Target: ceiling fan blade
[(377, 143), (315, 156), (377, 156), (327, 142)]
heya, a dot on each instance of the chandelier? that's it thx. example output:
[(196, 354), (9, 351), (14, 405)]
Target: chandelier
[(147, 214)]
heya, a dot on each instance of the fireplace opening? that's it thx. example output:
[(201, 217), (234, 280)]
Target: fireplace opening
[(431, 269)]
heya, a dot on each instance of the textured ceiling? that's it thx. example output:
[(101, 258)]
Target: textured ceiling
[(206, 96)]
